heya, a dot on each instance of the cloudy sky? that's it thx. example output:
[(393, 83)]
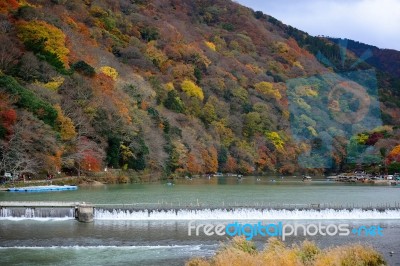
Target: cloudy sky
[(375, 22)]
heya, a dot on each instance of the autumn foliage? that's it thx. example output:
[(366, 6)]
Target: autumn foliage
[(8, 117), (394, 155), (43, 37), (172, 88)]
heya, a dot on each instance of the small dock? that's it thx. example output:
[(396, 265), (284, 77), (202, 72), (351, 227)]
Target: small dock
[(42, 188)]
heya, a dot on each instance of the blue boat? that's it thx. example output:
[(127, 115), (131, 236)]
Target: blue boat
[(42, 188)]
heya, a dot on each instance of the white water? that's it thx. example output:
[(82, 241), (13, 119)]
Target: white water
[(39, 214), (246, 214)]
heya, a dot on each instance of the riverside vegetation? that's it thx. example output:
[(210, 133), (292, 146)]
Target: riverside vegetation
[(242, 252)]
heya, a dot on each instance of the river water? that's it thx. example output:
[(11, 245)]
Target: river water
[(161, 238)]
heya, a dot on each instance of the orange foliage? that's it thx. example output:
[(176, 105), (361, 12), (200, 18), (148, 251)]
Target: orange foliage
[(104, 85), (54, 161), (245, 167), (394, 155), (192, 165), (231, 165), (264, 161), (210, 159)]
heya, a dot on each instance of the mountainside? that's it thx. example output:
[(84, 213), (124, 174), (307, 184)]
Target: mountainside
[(182, 87), (386, 60)]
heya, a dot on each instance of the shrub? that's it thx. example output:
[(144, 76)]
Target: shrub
[(211, 45), (45, 40), (192, 90), (109, 71), (84, 68), (28, 100), (242, 252), (174, 102), (268, 90), (149, 34)]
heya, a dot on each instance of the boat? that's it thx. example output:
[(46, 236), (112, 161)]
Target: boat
[(307, 178), (43, 188)]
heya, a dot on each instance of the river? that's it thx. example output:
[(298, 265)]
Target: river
[(116, 238)]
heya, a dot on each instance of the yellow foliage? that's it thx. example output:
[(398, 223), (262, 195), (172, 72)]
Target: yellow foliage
[(65, 124), (192, 90), (298, 64), (109, 71), (37, 30), (169, 86), (282, 47), (306, 90), (211, 45), (54, 84), (362, 138), (276, 139), (312, 131), (242, 252), (226, 135), (268, 89)]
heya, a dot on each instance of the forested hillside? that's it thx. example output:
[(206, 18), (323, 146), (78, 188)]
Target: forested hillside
[(172, 88)]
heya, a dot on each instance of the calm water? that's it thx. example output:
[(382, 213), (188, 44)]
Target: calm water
[(118, 241), (224, 190)]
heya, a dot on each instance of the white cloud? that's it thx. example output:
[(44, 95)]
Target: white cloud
[(375, 22)]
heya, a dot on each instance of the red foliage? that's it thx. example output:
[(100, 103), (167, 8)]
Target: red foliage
[(91, 163), (8, 5), (374, 138), (8, 116)]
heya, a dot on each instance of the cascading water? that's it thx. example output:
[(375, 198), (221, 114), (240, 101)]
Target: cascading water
[(244, 214), (37, 213)]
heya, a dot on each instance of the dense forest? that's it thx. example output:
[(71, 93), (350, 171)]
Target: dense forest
[(181, 87)]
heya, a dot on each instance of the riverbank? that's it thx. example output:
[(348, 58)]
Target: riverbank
[(239, 251)]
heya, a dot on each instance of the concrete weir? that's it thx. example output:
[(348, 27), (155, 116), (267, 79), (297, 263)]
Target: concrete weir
[(83, 212), (87, 212)]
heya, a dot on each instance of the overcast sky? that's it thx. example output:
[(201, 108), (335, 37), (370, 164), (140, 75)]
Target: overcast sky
[(375, 22)]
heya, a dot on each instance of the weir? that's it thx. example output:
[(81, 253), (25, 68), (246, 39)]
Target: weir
[(87, 212), (81, 211)]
